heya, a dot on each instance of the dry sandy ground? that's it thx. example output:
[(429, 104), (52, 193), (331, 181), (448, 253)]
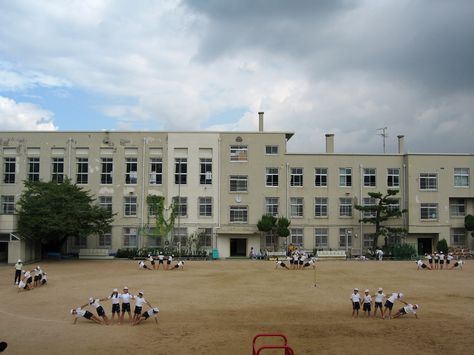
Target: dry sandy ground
[(216, 307)]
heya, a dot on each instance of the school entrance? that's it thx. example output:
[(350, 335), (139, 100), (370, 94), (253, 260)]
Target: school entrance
[(425, 245), (238, 247)]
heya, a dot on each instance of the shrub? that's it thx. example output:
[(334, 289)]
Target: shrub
[(442, 245), (403, 251)]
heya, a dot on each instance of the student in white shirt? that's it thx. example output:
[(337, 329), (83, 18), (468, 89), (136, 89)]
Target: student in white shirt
[(152, 312), (126, 297), (355, 299), (139, 301), (459, 263), (281, 264), (179, 265), (390, 302), (18, 269), (161, 259), (449, 257), (408, 309), (115, 298), (367, 303), (142, 265), (168, 262), (44, 279), (95, 302), (311, 262), (79, 312), (441, 260), (436, 260), (421, 265), (379, 297), (151, 259)]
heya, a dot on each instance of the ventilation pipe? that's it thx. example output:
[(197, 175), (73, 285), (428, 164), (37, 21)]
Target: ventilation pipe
[(260, 121), (329, 143), (401, 144)]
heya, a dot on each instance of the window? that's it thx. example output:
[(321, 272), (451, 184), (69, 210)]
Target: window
[(345, 207), (296, 177), (369, 201), (130, 206), (105, 240), (131, 171), (393, 177), (296, 235), (238, 153), (238, 214), (457, 207), (58, 170), (320, 207), (180, 235), (394, 206), (181, 206), (8, 204), (296, 207), (270, 240), (238, 183), (80, 241), (428, 181), (368, 241), (106, 202), (271, 149), (106, 174), (345, 177), (205, 237), (429, 211), (321, 237), (271, 206), (461, 177), (271, 176), (9, 170), (369, 177), (458, 237), (156, 171), (205, 206), (345, 234), (205, 174), (153, 237), (82, 176), (321, 177), (33, 169), (130, 237), (181, 171)]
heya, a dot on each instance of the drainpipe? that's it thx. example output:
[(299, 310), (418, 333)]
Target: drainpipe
[(142, 212), (361, 231), (69, 153)]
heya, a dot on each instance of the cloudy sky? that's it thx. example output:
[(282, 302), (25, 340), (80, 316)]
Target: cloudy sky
[(314, 67)]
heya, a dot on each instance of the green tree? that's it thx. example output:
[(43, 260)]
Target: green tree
[(442, 245), (52, 212), (276, 226), (164, 225), (469, 223), (380, 212)]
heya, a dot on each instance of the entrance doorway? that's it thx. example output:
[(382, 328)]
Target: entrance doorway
[(238, 247), (425, 245)]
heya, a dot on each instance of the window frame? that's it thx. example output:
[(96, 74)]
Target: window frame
[(272, 206), (238, 153), (127, 234), (131, 176), (393, 178), (320, 177), (57, 170), (345, 208), (180, 171), (238, 214), (130, 206), (33, 169), (426, 215), (205, 171), (297, 205), (370, 177), (271, 178), (321, 233), (296, 176), (321, 207), (7, 203), (345, 177), (460, 175), (205, 206), (428, 182), (155, 174), (106, 171), (9, 170), (271, 150), (82, 170), (297, 236), (238, 183)]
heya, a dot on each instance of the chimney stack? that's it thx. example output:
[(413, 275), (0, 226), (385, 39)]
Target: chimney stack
[(329, 143), (260, 121), (401, 144)]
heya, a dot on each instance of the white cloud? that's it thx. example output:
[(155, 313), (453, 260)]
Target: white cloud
[(24, 116)]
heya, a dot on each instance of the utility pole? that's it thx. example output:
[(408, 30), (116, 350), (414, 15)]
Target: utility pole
[(384, 134)]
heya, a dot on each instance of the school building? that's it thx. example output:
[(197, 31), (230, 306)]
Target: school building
[(224, 182)]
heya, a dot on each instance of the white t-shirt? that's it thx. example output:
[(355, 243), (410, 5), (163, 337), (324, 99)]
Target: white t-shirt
[(450, 257), (141, 265), (409, 309), (441, 257), (393, 297), (379, 297), (180, 264), (429, 257), (80, 312), (21, 284), (419, 263), (115, 298), (151, 313), (139, 301), (126, 297), (170, 258), (95, 303), (355, 297), (161, 257), (150, 258), (367, 299), (27, 274)]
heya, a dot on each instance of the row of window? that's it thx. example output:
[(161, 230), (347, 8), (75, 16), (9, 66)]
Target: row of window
[(237, 183), (238, 214)]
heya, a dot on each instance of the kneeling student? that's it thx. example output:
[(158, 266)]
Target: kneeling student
[(409, 308), (458, 264), (79, 312), (142, 265), (179, 265), (311, 262), (281, 264), (421, 265), (99, 309), (152, 312)]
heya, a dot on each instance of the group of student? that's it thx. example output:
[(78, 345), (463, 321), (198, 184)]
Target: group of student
[(117, 299), (385, 308), (27, 280), (439, 260), (161, 261), (296, 262)]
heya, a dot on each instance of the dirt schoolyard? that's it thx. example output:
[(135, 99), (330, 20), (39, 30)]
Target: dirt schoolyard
[(216, 307)]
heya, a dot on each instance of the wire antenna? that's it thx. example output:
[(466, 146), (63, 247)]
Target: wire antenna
[(383, 132)]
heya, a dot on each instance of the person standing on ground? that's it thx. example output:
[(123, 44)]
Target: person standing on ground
[(18, 270), (356, 299), (390, 302), (126, 297), (379, 297)]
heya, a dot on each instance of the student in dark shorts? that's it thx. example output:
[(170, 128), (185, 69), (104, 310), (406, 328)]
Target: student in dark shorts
[(436, 260), (430, 260), (152, 312), (94, 302), (151, 259), (79, 312), (115, 298), (126, 297), (408, 309), (356, 299), (281, 264), (390, 302), (161, 260)]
